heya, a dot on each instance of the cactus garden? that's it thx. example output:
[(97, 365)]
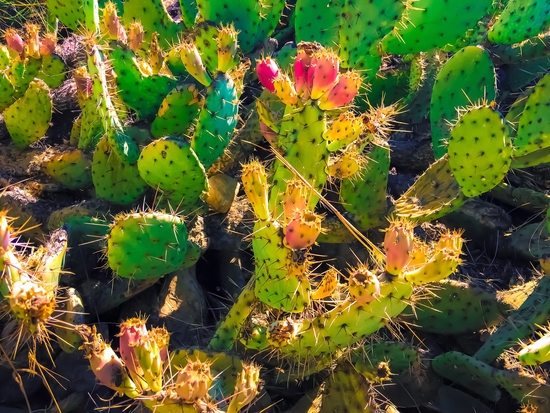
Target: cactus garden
[(300, 206)]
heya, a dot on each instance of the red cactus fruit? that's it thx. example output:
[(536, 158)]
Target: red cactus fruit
[(267, 70), (132, 333), (343, 92), (48, 43), (322, 73), (14, 41)]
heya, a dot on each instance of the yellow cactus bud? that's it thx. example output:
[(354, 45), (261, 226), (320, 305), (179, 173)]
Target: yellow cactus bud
[(254, 179)]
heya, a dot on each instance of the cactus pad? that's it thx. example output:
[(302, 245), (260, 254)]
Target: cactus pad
[(28, 118), (534, 124), (520, 20), (426, 24), (146, 245), (72, 169), (480, 150), (154, 18), (467, 77), (177, 112), (170, 165)]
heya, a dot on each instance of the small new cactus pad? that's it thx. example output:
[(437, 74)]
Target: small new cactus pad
[(72, 314), (146, 245), (479, 150), (53, 70), (170, 165), (217, 120), (72, 169), (522, 322), (140, 92), (318, 21), (22, 72), (113, 179), (520, 20), (154, 18), (28, 118), (454, 307), (76, 13), (178, 111), (363, 25), (364, 196), (534, 124), (434, 194), (430, 24), (467, 77)]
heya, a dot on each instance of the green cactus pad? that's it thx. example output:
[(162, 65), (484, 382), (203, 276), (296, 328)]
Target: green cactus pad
[(522, 322), (217, 120), (72, 169), (309, 15), (430, 24), (154, 18), (116, 181), (91, 127), (4, 58), (466, 78), (520, 20), (286, 56), (434, 194), (146, 245), (480, 150), (454, 307), (274, 285), (345, 391), (28, 118), (76, 13), (519, 76), (22, 72), (53, 71), (7, 92), (188, 12), (205, 35), (473, 374), (363, 25), (400, 356), (171, 166), (142, 93), (178, 111), (534, 124), (424, 70), (270, 13), (530, 49), (365, 197)]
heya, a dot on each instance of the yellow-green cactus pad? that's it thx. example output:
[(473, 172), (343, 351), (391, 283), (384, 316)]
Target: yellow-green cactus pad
[(29, 117), (480, 150)]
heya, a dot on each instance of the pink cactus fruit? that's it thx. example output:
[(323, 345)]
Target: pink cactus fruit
[(136, 36), (363, 286), (267, 70), (132, 333), (343, 92), (269, 134), (193, 381), (48, 43), (302, 230), (105, 364), (115, 30), (322, 73), (284, 89), (301, 67), (14, 41), (398, 246)]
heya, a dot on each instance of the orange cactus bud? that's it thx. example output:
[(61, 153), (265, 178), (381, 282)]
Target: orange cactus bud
[(47, 46)]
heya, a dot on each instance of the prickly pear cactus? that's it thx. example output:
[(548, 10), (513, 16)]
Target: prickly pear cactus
[(480, 150), (422, 27), (466, 78), (28, 118), (146, 245)]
